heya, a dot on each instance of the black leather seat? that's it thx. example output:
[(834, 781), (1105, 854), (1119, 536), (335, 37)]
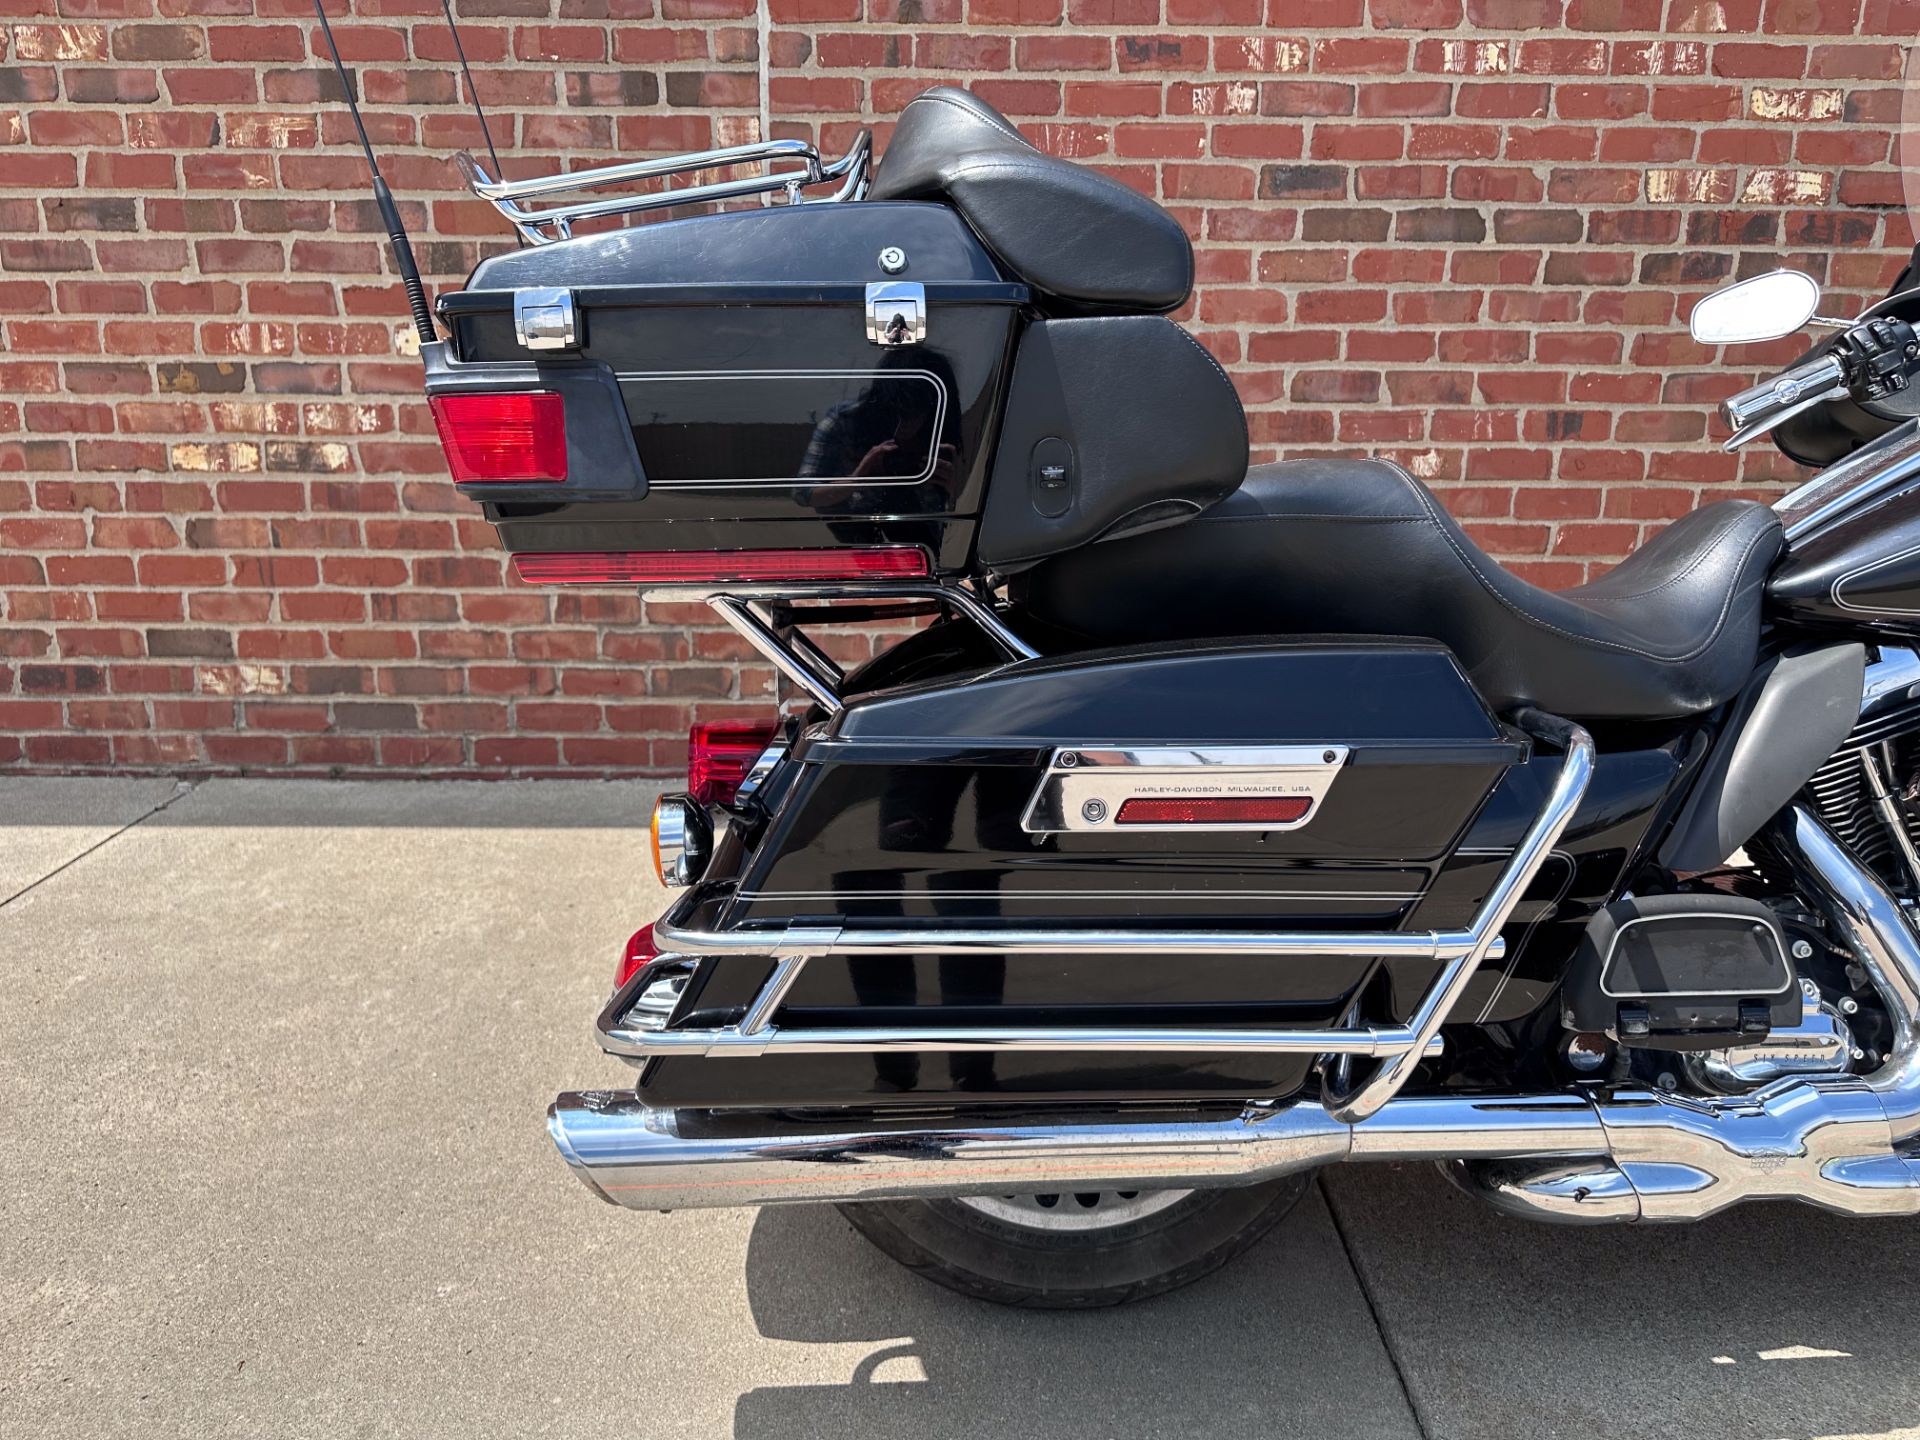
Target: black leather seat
[(1361, 547), (1081, 239)]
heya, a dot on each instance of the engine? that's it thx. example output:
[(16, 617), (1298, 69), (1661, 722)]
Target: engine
[(1867, 791)]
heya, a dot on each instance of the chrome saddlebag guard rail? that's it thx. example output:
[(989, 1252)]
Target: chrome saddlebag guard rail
[(580, 1123), (1400, 1047), (1842, 1142)]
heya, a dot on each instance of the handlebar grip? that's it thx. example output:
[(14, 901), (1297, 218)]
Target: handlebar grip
[(1772, 398)]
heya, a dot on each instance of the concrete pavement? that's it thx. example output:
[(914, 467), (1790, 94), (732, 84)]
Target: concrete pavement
[(275, 1057)]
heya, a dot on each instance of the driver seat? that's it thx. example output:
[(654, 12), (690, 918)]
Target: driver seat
[(1343, 546)]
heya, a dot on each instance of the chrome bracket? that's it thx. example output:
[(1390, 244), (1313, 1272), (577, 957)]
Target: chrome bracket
[(545, 319), (896, 312), (802, 662)]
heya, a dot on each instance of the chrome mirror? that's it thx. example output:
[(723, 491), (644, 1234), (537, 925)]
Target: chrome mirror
[(1763, 308)]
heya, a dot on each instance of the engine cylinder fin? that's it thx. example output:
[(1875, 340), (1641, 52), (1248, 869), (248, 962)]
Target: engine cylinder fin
[(1839, 794)]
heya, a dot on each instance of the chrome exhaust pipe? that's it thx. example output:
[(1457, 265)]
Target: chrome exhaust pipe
[(1834, 1141), (640, 1158), (1841, 1142)]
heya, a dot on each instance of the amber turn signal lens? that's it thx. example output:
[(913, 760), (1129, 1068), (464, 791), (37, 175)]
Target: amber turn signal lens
[(682, 840)]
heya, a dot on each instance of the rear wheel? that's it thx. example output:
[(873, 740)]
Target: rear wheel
[(1075, 1249)]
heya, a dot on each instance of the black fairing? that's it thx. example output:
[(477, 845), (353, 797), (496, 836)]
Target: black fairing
[(1086, 242), (1860, 572), (1116, 423)]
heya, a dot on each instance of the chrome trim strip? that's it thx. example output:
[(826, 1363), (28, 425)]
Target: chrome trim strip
[(1198, 897), (1850, 483), (740, 1040), (675, 937)]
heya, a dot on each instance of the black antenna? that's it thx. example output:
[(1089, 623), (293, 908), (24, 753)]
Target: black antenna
[(473, 93), (383, 197)]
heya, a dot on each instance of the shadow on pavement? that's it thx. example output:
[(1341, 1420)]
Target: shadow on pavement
[(1201, 1362), (1771, 1320)]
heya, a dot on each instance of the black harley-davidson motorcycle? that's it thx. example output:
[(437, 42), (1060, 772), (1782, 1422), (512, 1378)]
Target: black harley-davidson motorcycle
[(1223, 823)]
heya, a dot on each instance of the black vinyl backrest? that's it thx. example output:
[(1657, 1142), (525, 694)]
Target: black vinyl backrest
[(1115, 424), (1084, 241)]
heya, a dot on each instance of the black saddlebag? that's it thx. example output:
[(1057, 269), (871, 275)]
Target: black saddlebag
[(1318, 784)]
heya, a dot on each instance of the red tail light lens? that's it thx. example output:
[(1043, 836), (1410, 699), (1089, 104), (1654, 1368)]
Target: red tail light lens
[(740, 567), (503, 439), (1236, 810), (720, 755), (640, 949)]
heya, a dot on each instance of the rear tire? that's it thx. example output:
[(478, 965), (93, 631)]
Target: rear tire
[(1067, 1255)]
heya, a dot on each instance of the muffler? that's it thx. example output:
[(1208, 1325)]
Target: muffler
[(1842, 1142)]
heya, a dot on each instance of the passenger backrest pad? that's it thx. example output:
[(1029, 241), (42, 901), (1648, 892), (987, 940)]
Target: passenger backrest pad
[(1115, 424), (1081, 239)]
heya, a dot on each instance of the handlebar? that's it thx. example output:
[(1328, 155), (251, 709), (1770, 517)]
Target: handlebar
[(1763, 406), (1760, 407)]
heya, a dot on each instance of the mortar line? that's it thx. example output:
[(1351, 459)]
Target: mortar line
[(185, 788), (1373, 1310)]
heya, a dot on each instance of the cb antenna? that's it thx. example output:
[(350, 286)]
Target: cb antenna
[(383, 197), (473, 94)]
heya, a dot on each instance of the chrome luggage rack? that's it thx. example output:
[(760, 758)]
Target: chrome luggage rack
[(555, 222), (759, 614)]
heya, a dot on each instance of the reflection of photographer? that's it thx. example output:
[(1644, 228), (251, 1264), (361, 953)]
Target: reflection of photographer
[(886, 432)]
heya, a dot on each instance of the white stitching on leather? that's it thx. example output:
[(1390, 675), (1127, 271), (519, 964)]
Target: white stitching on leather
[(1005, 127)]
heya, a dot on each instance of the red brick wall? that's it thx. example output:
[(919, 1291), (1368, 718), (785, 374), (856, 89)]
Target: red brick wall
[(1461, 233)]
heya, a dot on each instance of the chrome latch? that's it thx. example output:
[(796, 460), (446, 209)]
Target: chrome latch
[(545, 320), (896, 312)]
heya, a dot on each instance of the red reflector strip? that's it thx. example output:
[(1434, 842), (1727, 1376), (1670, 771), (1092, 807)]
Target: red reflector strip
[(1222, 810), (640, 949), (720, 755), (503, 439), (720, 566)]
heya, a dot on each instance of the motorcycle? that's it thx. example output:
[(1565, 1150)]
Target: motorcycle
[(1217, 823)]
